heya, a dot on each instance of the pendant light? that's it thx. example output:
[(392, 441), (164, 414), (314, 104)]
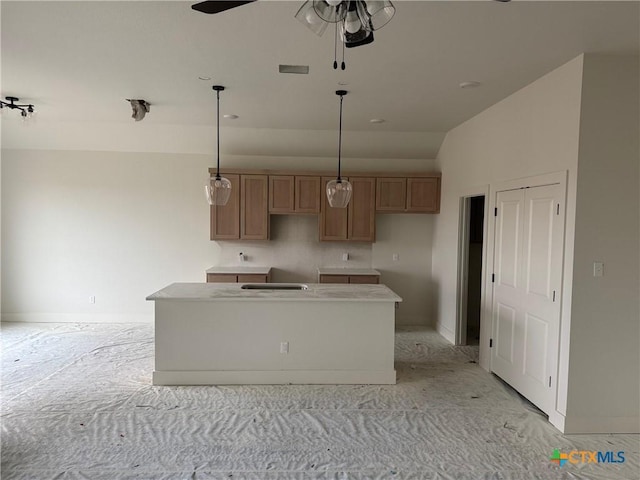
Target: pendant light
[(218, 189), (339, 190)]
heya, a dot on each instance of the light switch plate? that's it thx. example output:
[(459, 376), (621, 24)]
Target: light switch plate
[(598, 269)]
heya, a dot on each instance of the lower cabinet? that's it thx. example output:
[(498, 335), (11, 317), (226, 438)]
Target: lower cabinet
[(237, 278), (325, 278)]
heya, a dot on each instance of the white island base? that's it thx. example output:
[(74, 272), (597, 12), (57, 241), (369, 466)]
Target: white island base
[(219, 334)]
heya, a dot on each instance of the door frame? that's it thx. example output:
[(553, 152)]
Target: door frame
[(490, 205), (463, 261)]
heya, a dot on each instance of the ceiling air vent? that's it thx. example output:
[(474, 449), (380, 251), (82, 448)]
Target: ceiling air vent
[(302, 69)]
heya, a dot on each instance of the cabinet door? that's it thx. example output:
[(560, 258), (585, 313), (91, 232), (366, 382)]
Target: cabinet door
[(391, 194), (254, 211), (362, 210), (252, 278), (225, 220), (368, 279), (281, 193), (221, 277), (423, 194), (333, 221), (307, 194), (334, 278)]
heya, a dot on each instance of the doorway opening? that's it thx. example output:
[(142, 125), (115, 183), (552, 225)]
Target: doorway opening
[(471, 275)]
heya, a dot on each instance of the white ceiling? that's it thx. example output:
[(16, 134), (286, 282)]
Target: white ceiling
[(78, 61)]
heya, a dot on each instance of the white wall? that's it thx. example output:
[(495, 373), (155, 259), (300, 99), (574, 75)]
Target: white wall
[(117, 226), (411, 237), (123, 225), (581, 118), (604, 364), (532, 132)]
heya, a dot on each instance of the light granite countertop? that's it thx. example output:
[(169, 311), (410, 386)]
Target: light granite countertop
[(240, 269), (347, 271), (315, 292)]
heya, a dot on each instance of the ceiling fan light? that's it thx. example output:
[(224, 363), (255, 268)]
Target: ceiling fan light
[(308, 17), (352, 23), (375, 14), (339, 193), (218, 191), (330, 13), (361, 37)]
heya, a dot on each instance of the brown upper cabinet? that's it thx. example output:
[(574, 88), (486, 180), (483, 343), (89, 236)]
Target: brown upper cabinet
[(225, 220), (257, 193), (413, 194), (294, 194), (391, 194), (254, 216), (355, 223), (333, 221), (423, 195), (245, 216)]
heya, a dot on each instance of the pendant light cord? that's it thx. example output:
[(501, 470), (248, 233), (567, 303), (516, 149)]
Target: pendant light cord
[(343, 66), (218, 132), (335, 48), (340, 141)]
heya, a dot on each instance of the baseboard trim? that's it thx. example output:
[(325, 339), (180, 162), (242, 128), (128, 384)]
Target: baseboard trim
[(446, 333), (277, 377), (557, 420), (593, 425), (77, 318)]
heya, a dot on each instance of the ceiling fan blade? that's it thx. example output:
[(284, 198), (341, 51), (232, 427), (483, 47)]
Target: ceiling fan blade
[(215, 6)]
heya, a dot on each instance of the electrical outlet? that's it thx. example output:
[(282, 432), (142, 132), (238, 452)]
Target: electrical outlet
[(598, 269), (92, 299), (345, 256), (284, 347), (396, 257)]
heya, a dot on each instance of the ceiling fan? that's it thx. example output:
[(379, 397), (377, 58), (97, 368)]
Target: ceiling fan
[(215, 6), (354, 20)]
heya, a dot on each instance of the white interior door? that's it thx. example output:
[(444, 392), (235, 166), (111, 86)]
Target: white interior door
[(526, 305)]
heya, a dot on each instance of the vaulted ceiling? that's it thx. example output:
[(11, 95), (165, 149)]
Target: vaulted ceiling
[(79, 61)]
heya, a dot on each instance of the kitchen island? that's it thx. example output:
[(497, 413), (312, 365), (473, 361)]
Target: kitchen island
[(222, 333)]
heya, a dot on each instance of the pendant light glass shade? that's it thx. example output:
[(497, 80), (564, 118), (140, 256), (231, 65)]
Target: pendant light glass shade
[(339, 190), (339, 193), (218, 190)]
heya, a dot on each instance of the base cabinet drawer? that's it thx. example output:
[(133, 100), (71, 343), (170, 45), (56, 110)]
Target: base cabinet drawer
[(252, 278), (362, 279), (221, 278), (334, 278), (237, 278)]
